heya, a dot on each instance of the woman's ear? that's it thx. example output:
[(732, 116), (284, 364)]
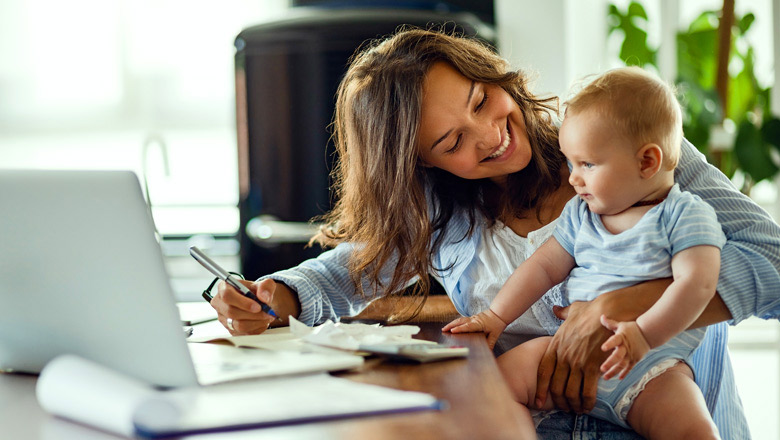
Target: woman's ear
[(650, 158)]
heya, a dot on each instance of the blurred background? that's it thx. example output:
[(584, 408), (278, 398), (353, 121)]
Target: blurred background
[(212, 103)]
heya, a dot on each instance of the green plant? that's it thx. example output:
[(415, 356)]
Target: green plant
[(748, 105)]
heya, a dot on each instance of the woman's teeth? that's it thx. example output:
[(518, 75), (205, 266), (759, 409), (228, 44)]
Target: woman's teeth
[(502, 148)]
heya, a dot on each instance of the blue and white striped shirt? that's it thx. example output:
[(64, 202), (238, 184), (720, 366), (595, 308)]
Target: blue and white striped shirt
[(607, 261), (749, 281)]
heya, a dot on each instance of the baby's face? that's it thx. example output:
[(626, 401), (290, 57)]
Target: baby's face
[(605, 169)]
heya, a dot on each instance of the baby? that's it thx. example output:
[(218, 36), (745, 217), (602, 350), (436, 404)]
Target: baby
[(628, 223)]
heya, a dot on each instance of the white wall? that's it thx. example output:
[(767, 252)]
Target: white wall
[(560, 40)]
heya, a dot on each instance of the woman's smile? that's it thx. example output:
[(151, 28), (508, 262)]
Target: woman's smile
[(473, 130), (503, 151)]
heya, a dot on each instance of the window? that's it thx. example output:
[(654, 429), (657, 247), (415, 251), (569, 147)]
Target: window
[(91, 84)]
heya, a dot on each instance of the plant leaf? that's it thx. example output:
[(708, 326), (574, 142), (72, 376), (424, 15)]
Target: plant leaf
[(753, 153), (697, 56), (704, 21), (637, 10), (770, 132), (745, 22)]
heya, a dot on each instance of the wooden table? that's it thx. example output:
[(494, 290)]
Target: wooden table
[(479, 403)]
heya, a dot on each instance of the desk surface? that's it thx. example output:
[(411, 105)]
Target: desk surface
[(479, 403)]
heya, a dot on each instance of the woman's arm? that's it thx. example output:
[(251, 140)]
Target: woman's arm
[(316, 290), (573, 357), (749, 281), (437, 308)]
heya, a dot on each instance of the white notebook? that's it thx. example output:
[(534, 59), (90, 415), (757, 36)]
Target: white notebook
[(83, 391)]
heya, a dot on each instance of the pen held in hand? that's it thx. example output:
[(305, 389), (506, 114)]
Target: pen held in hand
[(249, 294), (225, 276)]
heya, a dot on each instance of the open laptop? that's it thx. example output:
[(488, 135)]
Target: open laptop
[(81, 272)]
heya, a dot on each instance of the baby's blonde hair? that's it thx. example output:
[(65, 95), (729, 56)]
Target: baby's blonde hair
[(640, 106)]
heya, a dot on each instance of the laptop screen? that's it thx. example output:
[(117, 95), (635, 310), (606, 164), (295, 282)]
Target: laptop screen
[(82, 273)]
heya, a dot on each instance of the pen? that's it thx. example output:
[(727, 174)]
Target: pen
[(225, 276)]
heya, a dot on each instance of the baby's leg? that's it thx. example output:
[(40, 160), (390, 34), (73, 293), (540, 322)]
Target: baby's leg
[(672, 406), (519, 366)]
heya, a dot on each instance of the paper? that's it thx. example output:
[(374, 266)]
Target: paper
[(275, 339), (80, 390), (217, 363), (272, 402), (352, 336), (215, 332), (302, 338), (192, 313)]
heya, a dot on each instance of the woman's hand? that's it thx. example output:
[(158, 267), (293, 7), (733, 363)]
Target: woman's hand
[(570, 367), (245, 315), (486, 321), (628, 346)]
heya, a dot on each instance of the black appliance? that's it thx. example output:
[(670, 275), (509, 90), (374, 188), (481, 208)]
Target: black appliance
[(287, 72)]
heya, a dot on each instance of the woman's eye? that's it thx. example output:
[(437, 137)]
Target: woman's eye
[(587, 165), (482, 103), (456, 146)]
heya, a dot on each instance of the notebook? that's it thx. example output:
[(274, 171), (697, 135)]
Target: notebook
[(82, 273), (77, 389)]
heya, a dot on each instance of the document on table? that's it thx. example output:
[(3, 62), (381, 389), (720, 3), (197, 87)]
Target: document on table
[(193, 313), (80, 390), (395, 342), (326, 336)]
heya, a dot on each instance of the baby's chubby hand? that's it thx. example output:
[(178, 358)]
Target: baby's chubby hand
[(628, 346), (487, 322)]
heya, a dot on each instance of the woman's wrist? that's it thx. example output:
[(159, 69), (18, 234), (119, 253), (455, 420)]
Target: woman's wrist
[(715, 312), (286, 302), (628, 303)]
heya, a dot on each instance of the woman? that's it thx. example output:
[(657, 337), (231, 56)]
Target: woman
[(449, 166)]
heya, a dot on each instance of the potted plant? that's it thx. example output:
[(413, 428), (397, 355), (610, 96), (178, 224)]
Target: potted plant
[(740, 135)]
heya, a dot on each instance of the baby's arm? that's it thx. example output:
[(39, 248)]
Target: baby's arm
[(695, 271), (546, 267)]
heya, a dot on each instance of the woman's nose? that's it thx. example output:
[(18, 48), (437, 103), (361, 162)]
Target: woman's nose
[(489, 134)]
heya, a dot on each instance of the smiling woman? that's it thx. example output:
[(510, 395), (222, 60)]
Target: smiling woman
[(400, 217), (478, 140), (425, 72)]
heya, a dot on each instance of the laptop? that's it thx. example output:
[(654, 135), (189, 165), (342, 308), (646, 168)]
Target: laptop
[(82, 273)]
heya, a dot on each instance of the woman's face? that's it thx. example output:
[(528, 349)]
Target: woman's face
[(473, 130)]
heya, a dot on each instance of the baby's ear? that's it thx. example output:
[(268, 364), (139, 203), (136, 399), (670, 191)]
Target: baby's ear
[(650, 158)]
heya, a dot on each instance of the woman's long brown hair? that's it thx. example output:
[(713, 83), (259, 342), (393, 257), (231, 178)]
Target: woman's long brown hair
[(382, 189)]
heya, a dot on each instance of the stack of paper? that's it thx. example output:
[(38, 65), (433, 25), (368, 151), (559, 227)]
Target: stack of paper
[(80, 390)]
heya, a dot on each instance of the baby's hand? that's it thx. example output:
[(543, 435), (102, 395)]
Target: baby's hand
[(486, 321), (628, 346)]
